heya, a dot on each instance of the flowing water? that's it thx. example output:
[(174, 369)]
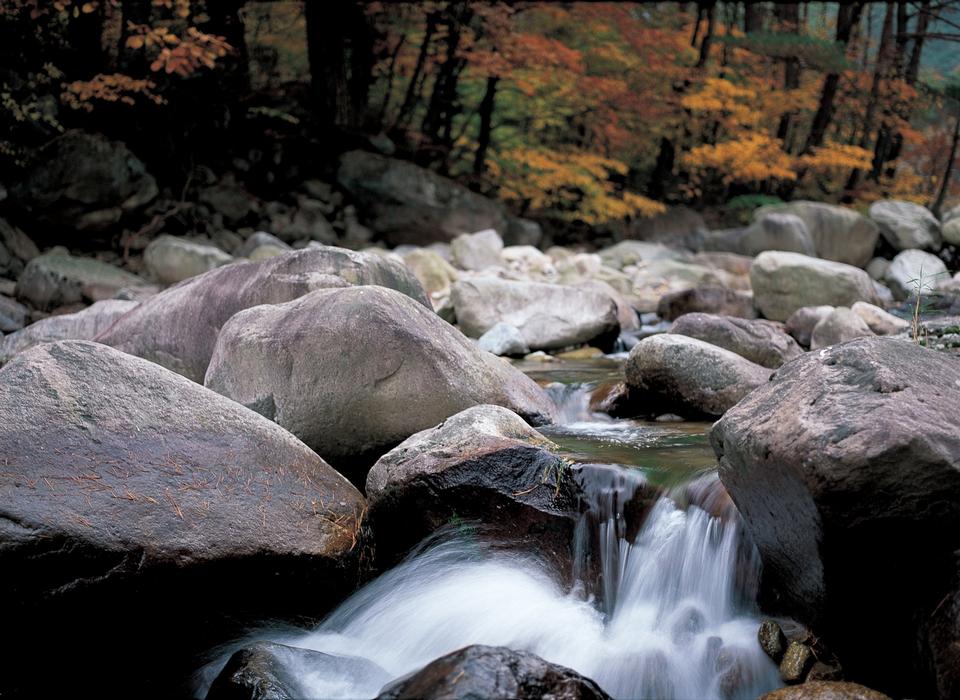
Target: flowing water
[(661, 604)]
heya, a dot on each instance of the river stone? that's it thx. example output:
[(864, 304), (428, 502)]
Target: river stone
[(802, 322), (905, 225), (627, 253), (653, 279), (533, 308), (477, 251), (13, 315), (434, 273), (840, 465), (405, 203), (951, 231), (15, 250), (57, 279), (763, 342), (838, 233), (796, 661), (772, 640), (776, 231), (522, 232), (178, 327), (82, 325), (825, 690), (170, 259), (528, 262), (839, 326), (691, 374), (354, 371), (785, 282), (733, 263), (707, 299), (258, 239), (134, 501), (879, 321), (483, 463), (912, 270), (494, 673), (503, 339), (877, 268)]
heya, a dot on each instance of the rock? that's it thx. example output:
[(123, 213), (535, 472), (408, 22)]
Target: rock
[(941, 633), (840, 465), (13, 315), (83, 182), (776, 231), (652, 280), (626, 316), (354, 371), (178, 327), (838, 233), (82, 325), (951, 231), (802, 322), (878, 320), (680, 226), (269, 671), (785, 282), (733, 263), (582, 353), (484, 463), (529, 262), (627, 253), (522, 232), (229, 199), (839, 326), (913, 270), (129, 488), (877, 268), (762, 342), (258, 239), (706, 299), (797, 660), (532, 307), (305, 221), (503, 339), (15, 250), (265, 252), (825, 690), (905, 225), (691, 374), (405, 203), (57, 279), (170, 259), (477, 251), (496, 673), (772, 640), (435, 274), (951, 213)]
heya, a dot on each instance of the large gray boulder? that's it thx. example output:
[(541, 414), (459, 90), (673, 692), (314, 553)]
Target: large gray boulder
[(905, 225), (708, 299), (58, 278), (879, 321), (170, 259), (405, 203), (354, 371), (825, 690), (626, 253), (838, 233), (477, 251), (126, 487), (913, 271), (548, 316), (846, 469), (763, 342), (16, 249), (13, 315), (951, 231), (801, 323), (773, 231), (178, 327), (784, 282), (691, 376), (839, 326)]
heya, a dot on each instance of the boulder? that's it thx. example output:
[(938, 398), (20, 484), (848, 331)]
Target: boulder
[(914, 270), (82, 325), (879, 321), (706, 299), (839, 326), (877, 268), (776, 231), (772, 640), (733, 263), (802, 322), (627, 253), (13, 315), (905, 225), (951, 231), (528, 262), (178, 327), (405, 203), (626, 316), (691, 376), (134, 501), (83, 182), (15, 250), (785, 282), (170, 259), (522, 232), (842, 466), (496, 673), (484, 463), (434, 273), (762, 342), (941, 637), (838, 233), (57, 278), (796, 661), (354, 371), (229, 199), (503, 339), (534, 308), (477, 251), (825, 690), (259, 239)]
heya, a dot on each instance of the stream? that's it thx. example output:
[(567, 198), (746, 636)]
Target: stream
[(661, 605)]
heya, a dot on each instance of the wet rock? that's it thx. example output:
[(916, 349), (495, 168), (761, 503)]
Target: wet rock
[(733, 672), (838, 233), (626, 316), (772, 640), (405, 203), (178, 327), (298, 363), (763, 342), (839, 326), (878, 320), (785, 282), (532, 307), (825, 690), (477, 251), (802, 322), (821, 671), (129, 488), (687, 623), (941, 635), (503, 339), (83, 182), (57, 279), (693, 375), (796, 661), (913, 270), (496, 673), (905, 225), (858, 444), (170, 259), (706, 299), (13, 315), (652, 280), (618, 400), (82, 325)]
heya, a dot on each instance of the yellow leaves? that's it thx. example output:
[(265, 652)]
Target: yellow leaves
[(183, 56), (115, 87), (754, 157), (834, 156)]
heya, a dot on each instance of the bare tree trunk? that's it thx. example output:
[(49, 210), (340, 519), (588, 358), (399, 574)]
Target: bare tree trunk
[(789, 17), (948, 171), (486, 125), (438, 121), (413, 88), (708, 36)]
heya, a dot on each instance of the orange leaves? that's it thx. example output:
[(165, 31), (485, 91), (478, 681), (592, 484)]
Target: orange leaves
[(838, 156), (116, 87), (180, 8), (181, 55), (753, 158)]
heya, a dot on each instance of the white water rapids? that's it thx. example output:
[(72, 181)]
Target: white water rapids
[(663, 610)]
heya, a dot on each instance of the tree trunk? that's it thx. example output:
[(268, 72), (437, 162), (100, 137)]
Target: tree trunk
[(486, 125), (413, 88), (889, 140), (923, 21), (708, 36), (752, 17), (438, 122), (663, 169), (948, 171), (789, 17)]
